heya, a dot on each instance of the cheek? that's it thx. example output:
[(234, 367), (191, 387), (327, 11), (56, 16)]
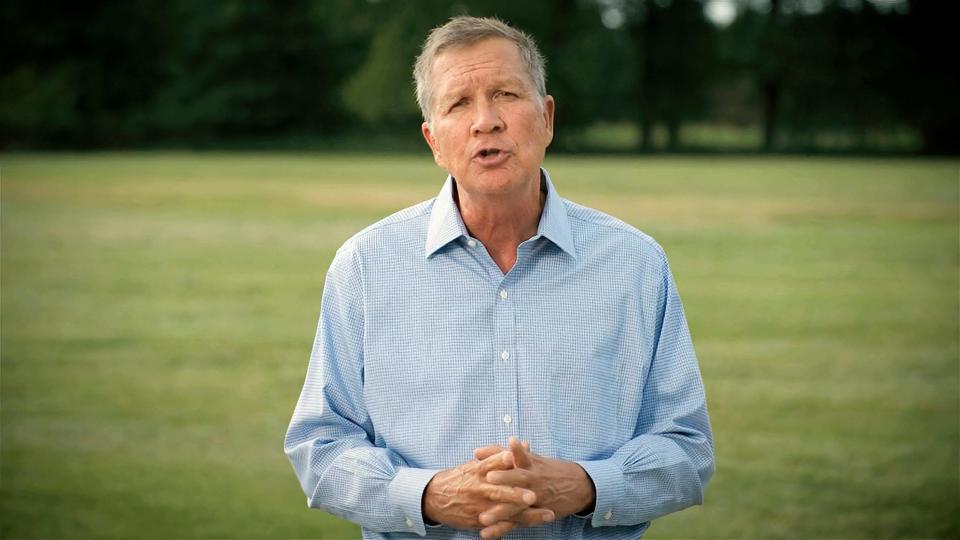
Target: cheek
[(537, 136), (451, 147), (448, 154)]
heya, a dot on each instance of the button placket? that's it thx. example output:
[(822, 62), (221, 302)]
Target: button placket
[(504, 371)]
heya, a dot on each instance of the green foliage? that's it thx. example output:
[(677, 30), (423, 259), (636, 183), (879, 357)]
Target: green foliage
[(158, 311), (39, 105), (120, 74), (381, 90), (849, 64)]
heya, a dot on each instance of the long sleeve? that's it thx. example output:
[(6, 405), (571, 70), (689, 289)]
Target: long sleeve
[(667, 464), (329, 440)]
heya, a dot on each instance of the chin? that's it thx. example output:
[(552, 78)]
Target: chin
[(499, 182)]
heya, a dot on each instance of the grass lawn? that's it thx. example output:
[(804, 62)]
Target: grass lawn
[(158, 311)]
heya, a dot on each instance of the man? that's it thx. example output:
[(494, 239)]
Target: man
[(497, 358)]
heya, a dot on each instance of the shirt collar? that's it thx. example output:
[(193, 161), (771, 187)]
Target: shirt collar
[(446, 225)]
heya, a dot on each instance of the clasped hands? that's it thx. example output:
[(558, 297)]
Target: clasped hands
[(505, 488)]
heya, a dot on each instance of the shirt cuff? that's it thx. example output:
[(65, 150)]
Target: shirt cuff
[(610, 489), (406, 492)]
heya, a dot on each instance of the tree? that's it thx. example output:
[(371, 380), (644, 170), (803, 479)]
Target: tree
[(675, 62)]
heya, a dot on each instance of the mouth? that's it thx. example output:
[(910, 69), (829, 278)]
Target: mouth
[(490, 156)]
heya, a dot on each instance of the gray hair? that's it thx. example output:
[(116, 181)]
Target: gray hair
[(464, 31)]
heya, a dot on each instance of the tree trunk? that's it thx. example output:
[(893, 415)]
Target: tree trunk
[(771, 97), (770, 81), (646, 134), (673, 135), (644, 114)]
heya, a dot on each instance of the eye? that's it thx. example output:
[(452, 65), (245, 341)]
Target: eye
[(459, 103), (505, 94)]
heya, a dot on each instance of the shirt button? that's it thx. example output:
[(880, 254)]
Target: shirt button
[(507, 419), (409, 523), (503, 294), (505, 355), (472, 243), (608, 515)]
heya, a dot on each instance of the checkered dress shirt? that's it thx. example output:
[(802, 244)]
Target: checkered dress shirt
[(425, 351)]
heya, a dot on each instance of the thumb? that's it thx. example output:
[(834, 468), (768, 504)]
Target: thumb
[(521, 453)]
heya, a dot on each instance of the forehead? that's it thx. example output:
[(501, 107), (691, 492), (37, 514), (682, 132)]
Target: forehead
[(489, 60)]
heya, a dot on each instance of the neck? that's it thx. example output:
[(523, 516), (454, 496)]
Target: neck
[(502, 223)]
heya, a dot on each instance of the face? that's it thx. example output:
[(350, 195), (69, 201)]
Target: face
[(488, 128)]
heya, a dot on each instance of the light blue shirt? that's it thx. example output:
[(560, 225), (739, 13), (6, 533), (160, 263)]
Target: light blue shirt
[(425, 351)]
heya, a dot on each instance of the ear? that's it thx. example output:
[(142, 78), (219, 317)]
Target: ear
[(548, 109), (432, 143)]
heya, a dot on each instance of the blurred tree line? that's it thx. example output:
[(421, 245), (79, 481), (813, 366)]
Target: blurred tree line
[(138, 72)]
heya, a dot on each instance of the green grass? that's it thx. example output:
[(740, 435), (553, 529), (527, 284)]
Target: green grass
[(158, 310)]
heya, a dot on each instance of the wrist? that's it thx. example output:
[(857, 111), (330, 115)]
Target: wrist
[(425, 510), (589, 492), (427, 520)]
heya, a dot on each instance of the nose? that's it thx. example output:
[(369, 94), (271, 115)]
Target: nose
[(486, 118)]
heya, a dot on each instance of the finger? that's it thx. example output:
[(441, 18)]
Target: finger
[(526, 445), (498, 461), (531, 517), (487, 451), (521, 455), (512, 477), (496, 530), (508, 494), (500, 512)]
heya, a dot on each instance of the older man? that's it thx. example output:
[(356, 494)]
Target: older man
[(498, 358)]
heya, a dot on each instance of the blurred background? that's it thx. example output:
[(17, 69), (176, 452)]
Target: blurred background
[(175, 177), (628, 75)]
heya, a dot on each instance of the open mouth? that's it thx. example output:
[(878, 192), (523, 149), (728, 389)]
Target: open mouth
[(491, 157)]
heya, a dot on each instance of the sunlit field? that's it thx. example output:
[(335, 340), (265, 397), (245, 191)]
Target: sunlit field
[(158, 311)]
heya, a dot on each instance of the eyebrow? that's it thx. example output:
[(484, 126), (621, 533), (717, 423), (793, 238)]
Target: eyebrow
[(454, 93)]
